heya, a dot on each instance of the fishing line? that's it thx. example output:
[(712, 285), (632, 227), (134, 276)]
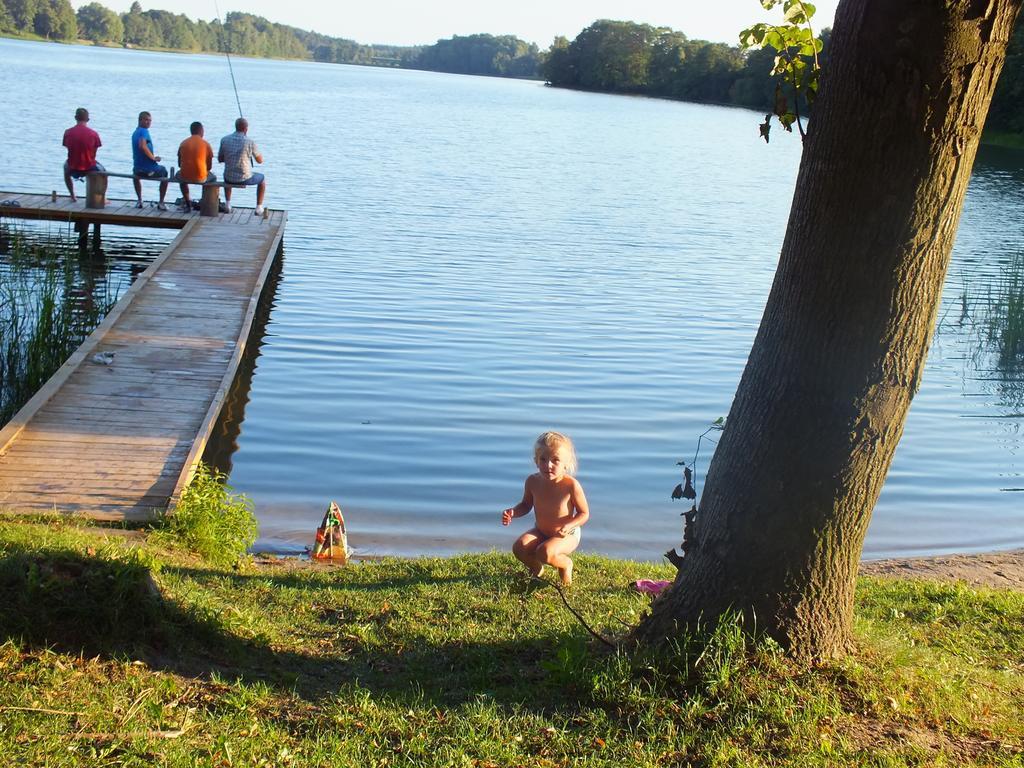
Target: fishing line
[(227, 53)]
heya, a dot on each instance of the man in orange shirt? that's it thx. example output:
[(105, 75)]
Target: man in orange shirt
[(195, 159)]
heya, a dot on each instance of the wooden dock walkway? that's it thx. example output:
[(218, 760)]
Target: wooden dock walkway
[(120, 441)]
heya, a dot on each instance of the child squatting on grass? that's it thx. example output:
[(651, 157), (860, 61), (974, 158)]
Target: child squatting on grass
[(559, 506)]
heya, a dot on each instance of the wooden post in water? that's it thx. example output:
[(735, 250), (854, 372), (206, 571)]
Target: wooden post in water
[(96, 237), (82, 228)]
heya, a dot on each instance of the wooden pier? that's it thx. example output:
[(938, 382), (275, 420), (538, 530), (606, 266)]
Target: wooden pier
[(117, 432)]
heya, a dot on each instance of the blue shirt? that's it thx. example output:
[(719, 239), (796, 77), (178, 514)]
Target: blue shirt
[(139, 160)]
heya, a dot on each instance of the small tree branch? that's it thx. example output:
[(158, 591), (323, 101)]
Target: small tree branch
[(580, 619)]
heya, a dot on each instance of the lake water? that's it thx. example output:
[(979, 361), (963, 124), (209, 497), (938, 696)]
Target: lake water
[(471, 261)]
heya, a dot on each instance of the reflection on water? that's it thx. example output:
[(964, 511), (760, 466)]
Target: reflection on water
[(223, 440), (472, 261)]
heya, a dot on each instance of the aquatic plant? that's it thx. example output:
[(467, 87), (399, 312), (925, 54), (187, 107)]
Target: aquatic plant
[(1004, 322), (50, 301)]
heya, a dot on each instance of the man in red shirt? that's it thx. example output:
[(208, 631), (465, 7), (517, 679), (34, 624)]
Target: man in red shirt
[(82, 143)]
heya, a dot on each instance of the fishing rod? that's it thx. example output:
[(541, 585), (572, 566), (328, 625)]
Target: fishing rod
[(227, 52)]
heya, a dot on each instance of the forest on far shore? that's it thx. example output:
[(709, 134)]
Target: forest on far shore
[(608, 56)]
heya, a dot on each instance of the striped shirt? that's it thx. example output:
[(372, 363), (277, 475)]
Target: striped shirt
[(238, 151)]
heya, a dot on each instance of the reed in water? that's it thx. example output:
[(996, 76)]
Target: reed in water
[(51, 299)]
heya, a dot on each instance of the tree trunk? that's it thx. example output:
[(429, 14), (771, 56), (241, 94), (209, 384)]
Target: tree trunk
[(842, 344)]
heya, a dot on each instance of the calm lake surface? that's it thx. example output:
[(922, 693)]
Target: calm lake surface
[(471, 261)]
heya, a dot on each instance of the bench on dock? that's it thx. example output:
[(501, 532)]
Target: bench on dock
[(96, 189), (209, 204)]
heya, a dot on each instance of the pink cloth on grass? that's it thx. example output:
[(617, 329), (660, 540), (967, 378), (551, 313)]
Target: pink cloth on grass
[(649, 587)]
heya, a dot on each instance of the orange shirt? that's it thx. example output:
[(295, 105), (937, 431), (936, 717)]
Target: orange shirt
[(195, 159)]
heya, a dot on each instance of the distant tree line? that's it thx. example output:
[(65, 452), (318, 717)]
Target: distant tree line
[(502, 56), (607, 56), (625, 57), (240, 33), (250, 35)]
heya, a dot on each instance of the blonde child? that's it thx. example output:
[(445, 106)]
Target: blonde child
[(559, 506)]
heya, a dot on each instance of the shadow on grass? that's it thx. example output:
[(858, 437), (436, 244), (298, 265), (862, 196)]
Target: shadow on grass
[(351, 579), (110, 607)]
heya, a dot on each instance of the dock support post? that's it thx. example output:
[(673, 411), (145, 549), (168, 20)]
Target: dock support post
[(96, 190), (210, 204), (82, 229), (96, 237)]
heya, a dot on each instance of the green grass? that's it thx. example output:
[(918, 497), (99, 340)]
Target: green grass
[(211, 520), (115, 650)]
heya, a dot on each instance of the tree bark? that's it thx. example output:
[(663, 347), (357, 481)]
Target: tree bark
[(838, 357)]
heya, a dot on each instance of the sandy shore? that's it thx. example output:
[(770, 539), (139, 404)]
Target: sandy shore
[(1004, 570)]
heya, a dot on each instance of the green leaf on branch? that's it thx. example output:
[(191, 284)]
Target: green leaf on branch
[(796, 64), (795, 14), (780, 107)]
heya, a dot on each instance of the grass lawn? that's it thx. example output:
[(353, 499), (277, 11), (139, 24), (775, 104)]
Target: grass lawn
[(118, 651)]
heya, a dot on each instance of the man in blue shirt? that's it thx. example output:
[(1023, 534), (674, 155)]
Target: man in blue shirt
[(145, 164)]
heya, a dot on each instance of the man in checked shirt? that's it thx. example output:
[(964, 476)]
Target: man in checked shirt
[(238, 152)]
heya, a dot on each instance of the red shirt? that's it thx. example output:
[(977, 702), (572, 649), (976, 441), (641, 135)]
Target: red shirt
[(82, 143)]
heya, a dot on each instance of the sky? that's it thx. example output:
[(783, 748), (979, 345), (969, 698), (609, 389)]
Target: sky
[(416, 22)]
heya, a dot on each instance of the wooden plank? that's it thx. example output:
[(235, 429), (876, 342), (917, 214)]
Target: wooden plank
[(131, 390), (88, 466), (153, 411), (120, 487), (129, 376), (152, 500), (117, 425), (127, 487), (47, 445), (121, 478), (133, 399), (86, 430), (113, 496), (134, 381), (103, 512), (85, 463), (105, 420), (62, 453)]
